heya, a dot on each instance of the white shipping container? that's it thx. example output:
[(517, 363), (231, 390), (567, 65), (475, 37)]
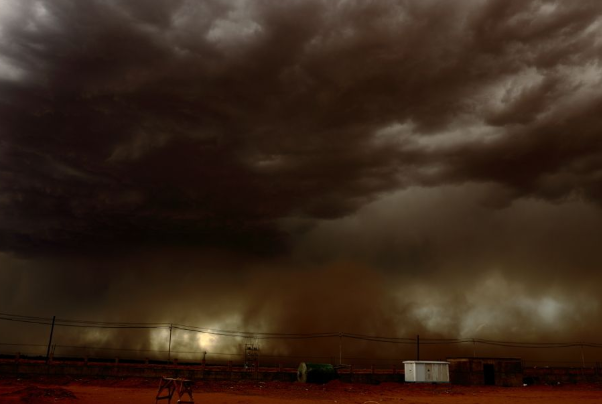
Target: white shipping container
[(426, 371)]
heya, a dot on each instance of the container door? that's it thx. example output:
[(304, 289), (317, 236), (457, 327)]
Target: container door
[(428, 372), (410, 374)]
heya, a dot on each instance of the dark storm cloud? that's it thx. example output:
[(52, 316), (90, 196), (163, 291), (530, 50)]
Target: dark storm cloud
[(179, 122)]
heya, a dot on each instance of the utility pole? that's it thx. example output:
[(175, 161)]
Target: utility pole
[(418, 347), (582, 362), (50, 339), (169, 346), (340, 348)]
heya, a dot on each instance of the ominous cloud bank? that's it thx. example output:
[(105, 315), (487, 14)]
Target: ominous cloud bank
[(385, 150)]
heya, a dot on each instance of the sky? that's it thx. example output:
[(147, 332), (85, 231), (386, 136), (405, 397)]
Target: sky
[(387, 168)]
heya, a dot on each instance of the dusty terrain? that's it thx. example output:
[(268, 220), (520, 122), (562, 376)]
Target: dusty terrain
[(143, 391)]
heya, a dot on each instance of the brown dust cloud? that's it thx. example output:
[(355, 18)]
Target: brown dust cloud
[(372, 168)]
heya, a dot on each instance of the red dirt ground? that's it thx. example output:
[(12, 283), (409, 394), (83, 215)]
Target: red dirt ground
[(42, 390)]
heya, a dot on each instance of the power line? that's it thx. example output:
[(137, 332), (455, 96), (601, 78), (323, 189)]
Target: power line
[(287, 336)]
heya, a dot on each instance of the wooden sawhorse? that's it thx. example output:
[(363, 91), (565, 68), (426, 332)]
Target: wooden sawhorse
[(169, 386)]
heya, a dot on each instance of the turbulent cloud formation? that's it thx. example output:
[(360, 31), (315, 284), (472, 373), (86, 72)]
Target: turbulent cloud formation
[(411, 143), (187, 122)]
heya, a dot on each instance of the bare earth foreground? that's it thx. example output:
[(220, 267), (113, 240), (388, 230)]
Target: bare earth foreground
[(143, 391)]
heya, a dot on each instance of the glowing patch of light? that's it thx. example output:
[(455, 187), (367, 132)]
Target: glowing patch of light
[(206, 342)]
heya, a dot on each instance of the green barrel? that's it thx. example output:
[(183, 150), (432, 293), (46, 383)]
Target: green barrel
[(316, 373)]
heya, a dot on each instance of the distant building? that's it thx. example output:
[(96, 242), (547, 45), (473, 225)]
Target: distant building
[(426, 371), (507, 372)]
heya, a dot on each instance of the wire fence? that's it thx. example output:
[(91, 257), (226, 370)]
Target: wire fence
[(280, 349)]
